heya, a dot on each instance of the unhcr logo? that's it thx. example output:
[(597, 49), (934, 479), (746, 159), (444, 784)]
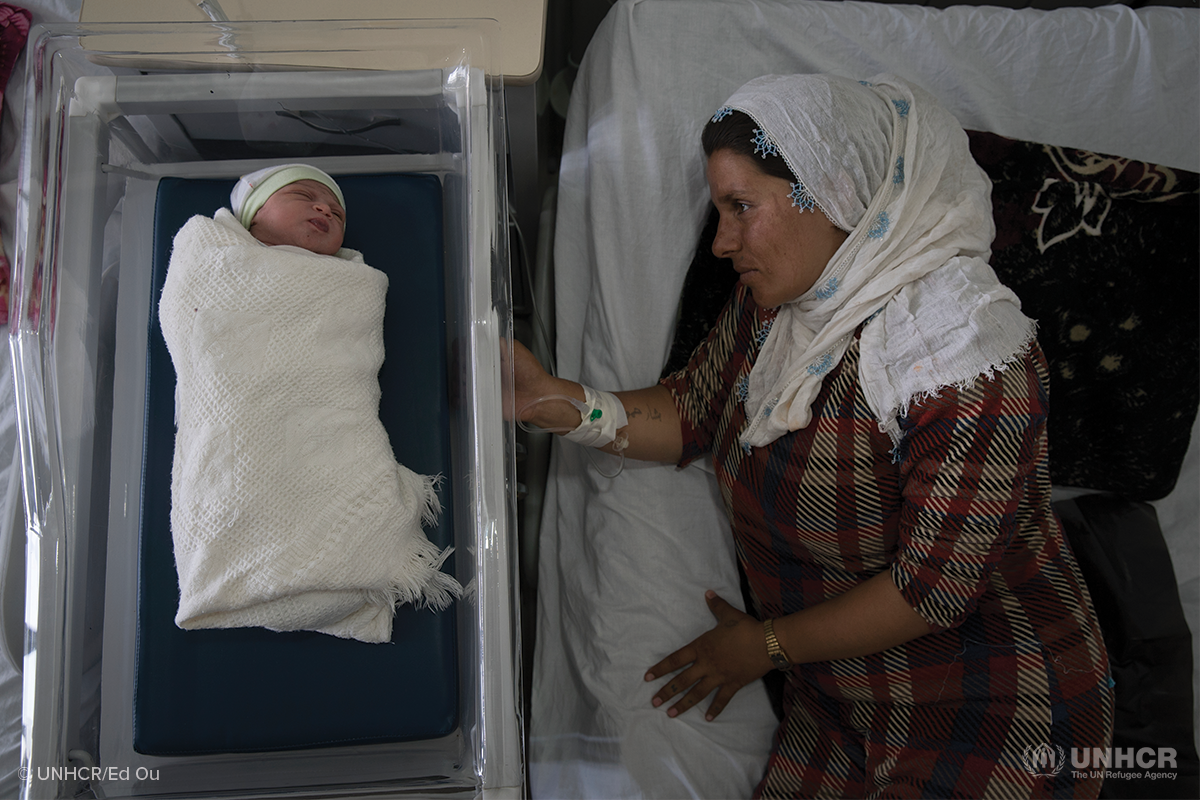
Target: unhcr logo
[(1128, 763), (1044, 760)]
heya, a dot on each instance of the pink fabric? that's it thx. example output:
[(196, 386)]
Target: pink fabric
[(14, 30)]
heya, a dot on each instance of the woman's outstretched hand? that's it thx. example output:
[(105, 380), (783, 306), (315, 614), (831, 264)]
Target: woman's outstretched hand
[(530, 382), (728, 657)]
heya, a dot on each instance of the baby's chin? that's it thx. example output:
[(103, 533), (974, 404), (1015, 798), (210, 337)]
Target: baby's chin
[(325, 250), (329, 248)]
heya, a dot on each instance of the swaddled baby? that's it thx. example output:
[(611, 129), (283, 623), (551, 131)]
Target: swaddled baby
[(288, 508)]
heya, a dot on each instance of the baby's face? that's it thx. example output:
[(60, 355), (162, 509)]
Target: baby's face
[(304, 214)]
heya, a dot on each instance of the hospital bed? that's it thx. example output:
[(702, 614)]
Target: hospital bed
[(130, 129), (624, 561)]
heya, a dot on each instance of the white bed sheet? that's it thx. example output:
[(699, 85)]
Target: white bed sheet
[(624, 562)]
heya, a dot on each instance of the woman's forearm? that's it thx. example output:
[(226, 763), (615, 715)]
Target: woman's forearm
[(654, 427), (869, 618)]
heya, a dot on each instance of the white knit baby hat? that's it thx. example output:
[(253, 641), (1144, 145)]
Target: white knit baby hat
[(254, 189)]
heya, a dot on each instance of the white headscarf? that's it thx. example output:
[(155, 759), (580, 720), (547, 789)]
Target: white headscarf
[(885, 162)]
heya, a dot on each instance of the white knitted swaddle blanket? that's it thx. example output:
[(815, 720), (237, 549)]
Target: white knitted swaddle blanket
[(288, 508)]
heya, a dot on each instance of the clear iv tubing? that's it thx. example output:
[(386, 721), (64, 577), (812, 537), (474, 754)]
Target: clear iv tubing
[(619, 444)]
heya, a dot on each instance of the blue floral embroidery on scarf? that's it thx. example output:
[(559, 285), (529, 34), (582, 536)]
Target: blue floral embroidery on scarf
[(802, 198), (821, 365), (722, 113), (882, 223), (746, 448), (742, 388), (761, 337), (898, 177), (763, 144), (829, 289), (902, 107), (866, 83), (770, 407)]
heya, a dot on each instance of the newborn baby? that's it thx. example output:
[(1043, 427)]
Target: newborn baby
[(293, 204), (288, 508)]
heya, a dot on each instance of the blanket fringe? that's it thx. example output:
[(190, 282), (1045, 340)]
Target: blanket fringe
[(423, 583), (431, 505)]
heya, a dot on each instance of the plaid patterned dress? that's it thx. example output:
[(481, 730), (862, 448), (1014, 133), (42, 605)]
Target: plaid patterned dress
[(1015, 674)]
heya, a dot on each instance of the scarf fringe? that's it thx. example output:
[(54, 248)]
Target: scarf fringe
[(891, 424)]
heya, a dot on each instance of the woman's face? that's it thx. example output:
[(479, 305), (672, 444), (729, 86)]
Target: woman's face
[(778, 250), (304, 214)]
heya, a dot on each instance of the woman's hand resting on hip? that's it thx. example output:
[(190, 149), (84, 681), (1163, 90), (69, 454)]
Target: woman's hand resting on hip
[(725, 659)]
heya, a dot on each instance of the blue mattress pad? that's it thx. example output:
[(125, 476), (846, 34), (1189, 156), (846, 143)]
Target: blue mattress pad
[(255, 690)]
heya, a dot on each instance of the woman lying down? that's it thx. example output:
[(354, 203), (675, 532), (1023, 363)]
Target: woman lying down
[(288, 508), (875, 405)]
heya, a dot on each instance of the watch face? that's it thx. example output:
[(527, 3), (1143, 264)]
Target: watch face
[(780, 661)]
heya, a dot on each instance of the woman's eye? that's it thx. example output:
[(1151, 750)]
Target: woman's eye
[(741, 207)]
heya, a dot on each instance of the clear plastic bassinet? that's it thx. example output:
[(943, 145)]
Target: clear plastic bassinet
[(129, 130)]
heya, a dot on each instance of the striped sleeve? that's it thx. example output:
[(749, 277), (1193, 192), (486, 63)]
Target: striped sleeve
[(701, 389), (966, 460)]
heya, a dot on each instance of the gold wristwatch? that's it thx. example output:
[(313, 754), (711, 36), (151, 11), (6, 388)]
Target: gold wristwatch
[(774, 651)]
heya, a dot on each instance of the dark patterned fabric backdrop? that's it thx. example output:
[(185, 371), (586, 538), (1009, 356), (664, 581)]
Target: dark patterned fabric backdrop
[(1105, 253)]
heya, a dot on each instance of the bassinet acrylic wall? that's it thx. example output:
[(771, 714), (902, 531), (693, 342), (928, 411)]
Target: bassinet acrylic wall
[(112, 109)]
